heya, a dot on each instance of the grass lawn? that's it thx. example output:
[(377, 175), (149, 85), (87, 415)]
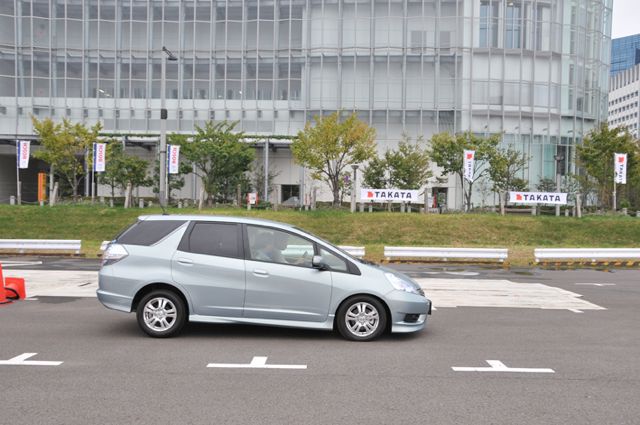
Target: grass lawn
[(521, 234)]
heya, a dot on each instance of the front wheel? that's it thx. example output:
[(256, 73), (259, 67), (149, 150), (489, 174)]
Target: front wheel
[(362, 318), (161, 314)]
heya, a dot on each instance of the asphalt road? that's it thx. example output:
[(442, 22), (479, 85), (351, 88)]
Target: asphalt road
[(112, 374)]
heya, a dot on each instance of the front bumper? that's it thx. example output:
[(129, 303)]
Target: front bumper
[(404, 305)]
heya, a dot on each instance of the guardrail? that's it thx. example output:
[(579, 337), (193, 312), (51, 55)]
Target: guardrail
[(394, 252), (356, 251), (48, 245), (589, 254)]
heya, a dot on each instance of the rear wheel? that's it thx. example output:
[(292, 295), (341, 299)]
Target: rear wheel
[(161, 314), (361, 318)]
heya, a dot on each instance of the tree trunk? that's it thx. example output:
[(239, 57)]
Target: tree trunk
[(336, 193)]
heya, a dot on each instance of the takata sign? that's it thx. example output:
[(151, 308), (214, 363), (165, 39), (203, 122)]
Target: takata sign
[(538, 198), (389, 195)]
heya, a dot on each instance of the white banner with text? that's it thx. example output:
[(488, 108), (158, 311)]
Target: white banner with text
[(538, 198), (390, 195)]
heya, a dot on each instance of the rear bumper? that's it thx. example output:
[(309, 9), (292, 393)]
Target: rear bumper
[(114, 301)]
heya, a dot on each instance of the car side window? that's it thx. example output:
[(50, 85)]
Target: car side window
[(219, 239), (336, 263), (276, 246)]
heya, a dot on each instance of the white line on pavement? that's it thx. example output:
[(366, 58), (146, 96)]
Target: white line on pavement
[(21, 360), (257, 363), (498, 366), (597, 284)]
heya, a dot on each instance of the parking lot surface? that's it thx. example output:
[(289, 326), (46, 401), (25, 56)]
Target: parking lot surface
[(568, 340)]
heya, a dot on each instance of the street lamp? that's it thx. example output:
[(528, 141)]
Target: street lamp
[(162, 192), (559, 158), (353, 188)]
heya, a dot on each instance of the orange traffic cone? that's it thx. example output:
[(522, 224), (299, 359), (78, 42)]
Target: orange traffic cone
[(3, 297), (14, 288)]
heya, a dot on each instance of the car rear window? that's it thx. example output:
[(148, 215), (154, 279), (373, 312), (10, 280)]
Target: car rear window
[(148, 232), (219, 239)]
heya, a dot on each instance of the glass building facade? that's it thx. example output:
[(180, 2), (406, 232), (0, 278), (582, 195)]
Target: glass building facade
[(534, 70), (625, 53)]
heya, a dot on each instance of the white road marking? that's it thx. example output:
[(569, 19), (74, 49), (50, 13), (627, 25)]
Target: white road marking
[(501, 293), (21, 360), (575, 310), (453, 273), (16, 263), (597, 284), (257, 363), (57, 283), (498, 366)]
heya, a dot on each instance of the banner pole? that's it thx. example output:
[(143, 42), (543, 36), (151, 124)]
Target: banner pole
[(615, 203), (18, 188)]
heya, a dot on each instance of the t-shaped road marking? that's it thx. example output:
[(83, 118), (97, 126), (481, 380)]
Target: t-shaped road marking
[(21, 360), (498, 366), (257, 363)]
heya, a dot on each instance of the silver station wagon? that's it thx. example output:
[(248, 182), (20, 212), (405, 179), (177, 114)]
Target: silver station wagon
[(174, 269)]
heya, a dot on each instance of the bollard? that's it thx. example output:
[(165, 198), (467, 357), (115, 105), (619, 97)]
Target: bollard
[(408, 207), (566, 212), (533, 210), (42, 203), (12, 200), (361, 207), (180, 205), (110, 202), (141, 203), (149, 204), (370, 207), (402, 207), (624, 211), (14, 288)]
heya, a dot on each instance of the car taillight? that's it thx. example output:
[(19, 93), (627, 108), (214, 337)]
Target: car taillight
[(113, 254)]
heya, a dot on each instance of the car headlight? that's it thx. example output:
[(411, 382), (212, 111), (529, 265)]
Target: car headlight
[(403, 285)]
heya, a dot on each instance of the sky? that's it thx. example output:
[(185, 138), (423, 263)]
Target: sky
[(626, 18)]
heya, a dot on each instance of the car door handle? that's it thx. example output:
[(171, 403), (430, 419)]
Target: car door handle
[(185, 262), (260, 273)]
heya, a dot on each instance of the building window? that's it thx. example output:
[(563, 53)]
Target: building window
[(513, 25), (489, 23)]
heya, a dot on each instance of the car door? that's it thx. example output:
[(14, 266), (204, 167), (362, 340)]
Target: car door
[(281, 284), (209, 263)]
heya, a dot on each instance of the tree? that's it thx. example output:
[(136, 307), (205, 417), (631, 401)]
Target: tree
[(64, 148), (596, 155), (123, 171), (447, 152), (259, 180), (332, 145), (546, 185), (408, 165), (220, 157), (504, 167), (375, 174)]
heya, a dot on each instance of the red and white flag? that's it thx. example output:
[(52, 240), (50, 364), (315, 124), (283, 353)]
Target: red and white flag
[(620, 166), (174, 158), (469, 164), (22, 152), (99, 157)]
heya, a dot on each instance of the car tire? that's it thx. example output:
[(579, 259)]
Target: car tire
[(161, 314), (361, 318)]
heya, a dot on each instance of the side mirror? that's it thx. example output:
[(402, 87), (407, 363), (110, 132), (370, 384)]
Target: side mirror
[(318, 263)]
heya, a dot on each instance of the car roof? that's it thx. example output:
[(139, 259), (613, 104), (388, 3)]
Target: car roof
[(218, 218)]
